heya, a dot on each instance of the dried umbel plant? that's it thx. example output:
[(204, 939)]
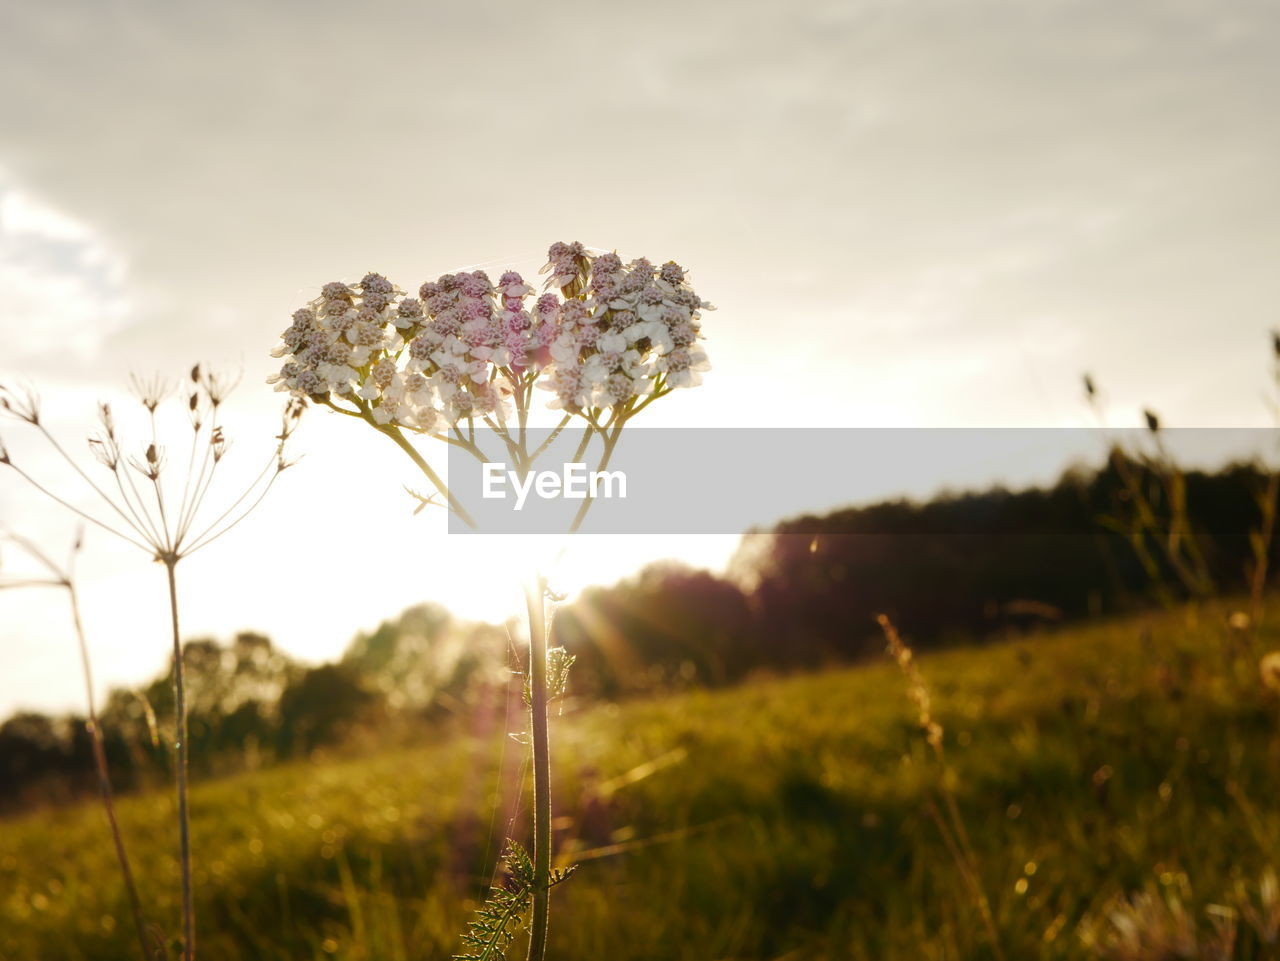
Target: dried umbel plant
[(53, 575), (604, 341), (162, 508)]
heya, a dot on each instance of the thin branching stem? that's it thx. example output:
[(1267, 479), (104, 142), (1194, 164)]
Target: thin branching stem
[(403, 443), (201, 487), (53, 442), (210, 535), (149, 527), (75, 510), (186, 481), (272, 465), (202, 492), (551, 438), (141, 520), (610, 439), (155, 473)]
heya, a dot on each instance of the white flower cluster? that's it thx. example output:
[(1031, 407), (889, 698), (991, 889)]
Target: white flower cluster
[(609, 334)]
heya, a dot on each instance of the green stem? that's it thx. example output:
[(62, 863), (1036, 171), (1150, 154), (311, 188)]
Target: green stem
[(364, 412), (610, 441), (403, 443), (184, 815), (551, 438), (541, 770)]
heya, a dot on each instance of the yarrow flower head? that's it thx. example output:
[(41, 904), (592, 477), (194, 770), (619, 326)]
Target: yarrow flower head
[(605, 337)]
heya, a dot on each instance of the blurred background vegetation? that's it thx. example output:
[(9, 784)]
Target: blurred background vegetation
[(739, 772), (802, 596)]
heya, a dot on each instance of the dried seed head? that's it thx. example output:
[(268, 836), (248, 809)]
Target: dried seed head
[(218, 386), (106, 452), (150, 464), (4, 453), (218, 444), (292, 415), (150, 393), (107, 420), (24, 405), (1090, 389), (194, 413), (1153, 422)]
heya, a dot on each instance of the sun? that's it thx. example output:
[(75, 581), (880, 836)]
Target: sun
[(484, 575)]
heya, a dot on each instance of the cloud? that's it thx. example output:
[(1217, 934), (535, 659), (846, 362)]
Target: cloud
[(62, 285)]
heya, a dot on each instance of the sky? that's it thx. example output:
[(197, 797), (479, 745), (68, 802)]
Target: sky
[(935, 213)]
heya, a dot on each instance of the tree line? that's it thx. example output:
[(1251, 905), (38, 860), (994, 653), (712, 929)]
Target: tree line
[(797, 597)]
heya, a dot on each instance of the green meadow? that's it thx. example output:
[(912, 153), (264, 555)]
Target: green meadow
[(786, 818)]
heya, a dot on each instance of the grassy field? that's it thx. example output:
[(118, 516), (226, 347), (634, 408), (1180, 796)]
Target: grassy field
[(786, 818)]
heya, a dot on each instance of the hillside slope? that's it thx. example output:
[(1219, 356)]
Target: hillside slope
[(784, 818)]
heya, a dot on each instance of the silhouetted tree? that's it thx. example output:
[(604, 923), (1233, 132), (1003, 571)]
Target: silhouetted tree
[(320, 706)]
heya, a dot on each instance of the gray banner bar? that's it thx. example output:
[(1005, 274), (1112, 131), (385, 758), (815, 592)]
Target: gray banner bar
[(731, 480)]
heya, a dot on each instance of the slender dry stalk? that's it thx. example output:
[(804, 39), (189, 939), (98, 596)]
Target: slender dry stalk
[(949, 822), (64, 577), (169, 528)]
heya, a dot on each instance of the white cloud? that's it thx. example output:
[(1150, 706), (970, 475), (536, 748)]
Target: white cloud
[(62, 284)]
